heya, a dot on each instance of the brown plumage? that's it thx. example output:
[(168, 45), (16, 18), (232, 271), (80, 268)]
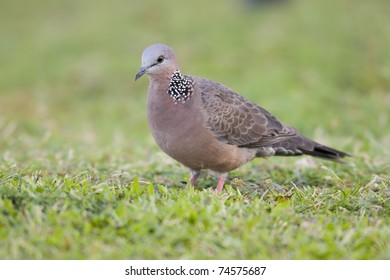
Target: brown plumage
[(205, 125)]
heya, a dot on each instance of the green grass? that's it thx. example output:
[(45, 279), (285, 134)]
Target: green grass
[(81, 177)]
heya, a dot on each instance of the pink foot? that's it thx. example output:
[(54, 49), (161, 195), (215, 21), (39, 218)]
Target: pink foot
[(221, 183), (194, 176)]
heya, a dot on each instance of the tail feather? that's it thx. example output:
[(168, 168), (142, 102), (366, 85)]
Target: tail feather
[(325, 152), (300, 145)]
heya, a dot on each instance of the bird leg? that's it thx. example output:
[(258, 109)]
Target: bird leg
[(221, 182), (194, 176)]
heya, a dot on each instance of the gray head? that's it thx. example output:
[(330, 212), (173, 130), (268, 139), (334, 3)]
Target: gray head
[(157, 60)]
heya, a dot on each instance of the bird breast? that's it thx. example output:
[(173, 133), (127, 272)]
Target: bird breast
[(180, 131)]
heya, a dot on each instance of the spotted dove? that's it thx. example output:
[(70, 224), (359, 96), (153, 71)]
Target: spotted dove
[(205, 125)]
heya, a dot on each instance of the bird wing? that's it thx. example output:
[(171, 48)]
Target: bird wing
[(237, 121)]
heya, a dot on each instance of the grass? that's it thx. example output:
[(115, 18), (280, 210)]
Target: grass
[(81, 177)]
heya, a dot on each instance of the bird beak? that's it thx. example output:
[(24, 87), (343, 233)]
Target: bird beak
[(141, 72)]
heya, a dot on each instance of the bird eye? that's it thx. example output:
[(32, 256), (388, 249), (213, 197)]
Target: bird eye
[(160, 59)]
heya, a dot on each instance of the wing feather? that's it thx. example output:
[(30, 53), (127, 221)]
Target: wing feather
[(237, 121)]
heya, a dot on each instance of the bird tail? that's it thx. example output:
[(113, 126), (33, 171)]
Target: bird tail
[(303, 146)]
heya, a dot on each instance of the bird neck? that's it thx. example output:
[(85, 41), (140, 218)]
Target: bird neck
[(180, 87)]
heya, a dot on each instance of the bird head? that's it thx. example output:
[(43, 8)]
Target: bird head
[(157, 60)]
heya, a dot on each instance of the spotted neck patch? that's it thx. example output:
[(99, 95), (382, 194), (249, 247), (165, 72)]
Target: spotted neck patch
[(180, 87)]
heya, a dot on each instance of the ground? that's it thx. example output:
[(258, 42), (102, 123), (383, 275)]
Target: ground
[(81, 177)]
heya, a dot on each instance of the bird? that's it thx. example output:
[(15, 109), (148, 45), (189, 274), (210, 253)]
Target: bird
[(205, 125)]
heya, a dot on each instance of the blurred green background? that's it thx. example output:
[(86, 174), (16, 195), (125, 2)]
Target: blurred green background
[(74, 136), (67, 67)]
